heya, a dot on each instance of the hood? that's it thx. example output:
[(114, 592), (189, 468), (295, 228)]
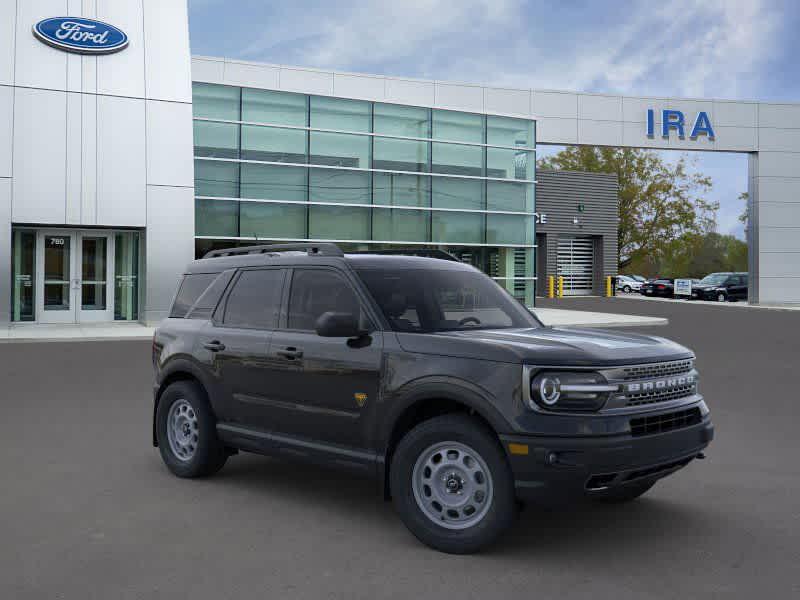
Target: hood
[(547, 346)]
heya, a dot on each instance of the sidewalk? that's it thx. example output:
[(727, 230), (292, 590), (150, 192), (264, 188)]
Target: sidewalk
[(93, 332)]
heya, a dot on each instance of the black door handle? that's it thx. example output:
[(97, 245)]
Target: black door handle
[(290, 353), (214, 346)]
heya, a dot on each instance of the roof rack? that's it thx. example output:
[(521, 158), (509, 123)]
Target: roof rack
[(313, 249), (423, 252)]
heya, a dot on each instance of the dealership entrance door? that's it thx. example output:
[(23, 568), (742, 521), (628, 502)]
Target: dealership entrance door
[(75, 276)]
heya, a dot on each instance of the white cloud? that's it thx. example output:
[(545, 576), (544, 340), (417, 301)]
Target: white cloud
[(687, 47)]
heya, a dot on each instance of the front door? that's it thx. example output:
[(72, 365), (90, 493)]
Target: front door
[(73, 271)]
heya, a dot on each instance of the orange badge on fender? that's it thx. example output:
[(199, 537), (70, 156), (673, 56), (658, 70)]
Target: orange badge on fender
[(361, 398)]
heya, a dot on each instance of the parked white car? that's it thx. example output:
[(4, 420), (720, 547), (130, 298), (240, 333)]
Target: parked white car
[(628, 284)]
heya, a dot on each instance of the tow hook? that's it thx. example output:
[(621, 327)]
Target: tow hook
[(700, 456)]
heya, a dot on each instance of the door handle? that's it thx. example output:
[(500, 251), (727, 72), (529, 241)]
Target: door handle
[(214, 346), (290, 353)]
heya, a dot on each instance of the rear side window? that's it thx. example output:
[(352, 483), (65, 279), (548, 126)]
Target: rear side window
[(192, 286), (208, 300), (255, 300)]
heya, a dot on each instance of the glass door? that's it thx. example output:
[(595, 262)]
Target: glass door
[(74, 273), (56, 277), (95, 274)]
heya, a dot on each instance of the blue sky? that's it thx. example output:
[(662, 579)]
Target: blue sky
[(740, 49)]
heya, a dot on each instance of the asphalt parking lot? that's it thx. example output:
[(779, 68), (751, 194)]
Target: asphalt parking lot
[(88, 510)]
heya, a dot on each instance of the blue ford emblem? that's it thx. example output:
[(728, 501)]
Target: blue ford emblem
[(76, 34)]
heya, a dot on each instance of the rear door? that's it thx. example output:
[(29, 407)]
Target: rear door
[(321, 387), (235, 342)]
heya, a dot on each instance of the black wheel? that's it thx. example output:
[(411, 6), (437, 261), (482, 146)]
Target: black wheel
[(186, 431), (451, 484), (626, 289), (624, 493)]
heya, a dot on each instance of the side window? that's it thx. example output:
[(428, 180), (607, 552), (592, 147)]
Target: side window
[(255, 300), (316, 291), (208, 300), (191, 287)]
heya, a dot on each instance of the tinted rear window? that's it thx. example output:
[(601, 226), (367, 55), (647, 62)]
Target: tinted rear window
[(191, 287), (255, 300)]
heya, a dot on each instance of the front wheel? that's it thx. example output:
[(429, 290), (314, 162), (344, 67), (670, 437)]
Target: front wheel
[(721, 297), (627, 289), (186, 431), (451, 484)]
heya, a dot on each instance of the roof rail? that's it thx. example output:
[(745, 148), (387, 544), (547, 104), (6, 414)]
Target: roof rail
[(423, 252), (313, 249)]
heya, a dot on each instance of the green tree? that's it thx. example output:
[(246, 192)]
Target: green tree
[(659, 201)]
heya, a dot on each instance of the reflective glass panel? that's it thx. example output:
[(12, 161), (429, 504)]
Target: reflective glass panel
[(401, 225), (126, 276), (457, 159), (217, 217), (56, 272), (339, 185), (507, 195), (280, 108), (273, 144), (508, 229), (339, 150), (401, 190), (507, 131), (220, 140), (452, 192), (456, 227), (407, 121), (400, 155), (215, 101), (273, 182), (509, 164), (457, 126), (263, 220), (214, 178), (93, 273), (340, 114), (255, 300), (23, 260), (339, 223)]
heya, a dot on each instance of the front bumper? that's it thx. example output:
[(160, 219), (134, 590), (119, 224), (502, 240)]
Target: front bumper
[(557, 468)]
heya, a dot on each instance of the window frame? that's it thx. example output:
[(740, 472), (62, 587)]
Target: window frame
[(218, 318), (364, 299)]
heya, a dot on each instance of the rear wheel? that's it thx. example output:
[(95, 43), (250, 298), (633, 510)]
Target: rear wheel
[(627, 289), (186, 431), (623, 494), (451, 484)]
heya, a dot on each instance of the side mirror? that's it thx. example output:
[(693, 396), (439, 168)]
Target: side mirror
[(338, 324)]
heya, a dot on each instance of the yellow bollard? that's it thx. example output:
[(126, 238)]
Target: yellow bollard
[(551, 287), (561, 286), (608, 287)]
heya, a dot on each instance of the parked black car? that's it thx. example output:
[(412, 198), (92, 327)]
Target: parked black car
[(721, 287), (664, 288), (422, 373)]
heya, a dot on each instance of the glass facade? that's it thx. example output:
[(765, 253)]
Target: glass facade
[(280, 166)]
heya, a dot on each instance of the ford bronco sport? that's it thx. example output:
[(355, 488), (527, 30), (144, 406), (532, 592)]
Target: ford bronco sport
[(422, 373)]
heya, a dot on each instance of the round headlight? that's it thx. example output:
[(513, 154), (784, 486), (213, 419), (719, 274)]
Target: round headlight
[(549, 390)]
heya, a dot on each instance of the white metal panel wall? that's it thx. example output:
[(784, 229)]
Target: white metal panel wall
[(5, 248), (39, 156), (8, 25), (167, 58), (121, 170), (169, 144), (6, 128), (121, 73), (36, 64)]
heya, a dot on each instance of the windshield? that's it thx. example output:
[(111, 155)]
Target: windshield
[(433, 300), (714, 279)]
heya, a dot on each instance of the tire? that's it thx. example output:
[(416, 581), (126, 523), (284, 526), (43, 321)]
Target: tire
[(721, 297), (627, 289), (474, 460), (192, 449), (622, 494)]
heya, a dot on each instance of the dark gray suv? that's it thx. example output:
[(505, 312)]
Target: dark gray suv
[(422, 373)]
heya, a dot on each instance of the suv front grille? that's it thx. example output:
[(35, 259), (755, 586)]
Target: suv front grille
[(657, 370), (666, 422), (661, 395)]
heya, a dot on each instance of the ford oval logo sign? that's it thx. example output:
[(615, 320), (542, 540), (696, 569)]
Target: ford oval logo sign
[(76, 34)]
